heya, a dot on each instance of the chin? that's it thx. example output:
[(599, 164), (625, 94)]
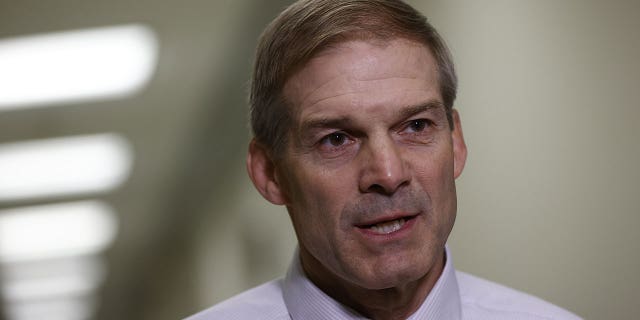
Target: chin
[(391, 276)]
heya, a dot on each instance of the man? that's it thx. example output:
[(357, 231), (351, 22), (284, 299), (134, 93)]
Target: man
[(355, 133)]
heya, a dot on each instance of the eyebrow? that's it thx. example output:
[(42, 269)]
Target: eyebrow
[(341, 122), (409, 111), (320, 123)]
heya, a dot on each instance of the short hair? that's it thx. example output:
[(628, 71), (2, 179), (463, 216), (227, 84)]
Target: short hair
[(308, 26)]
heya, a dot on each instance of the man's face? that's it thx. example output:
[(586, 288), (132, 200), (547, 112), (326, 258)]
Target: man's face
[(368, 174)]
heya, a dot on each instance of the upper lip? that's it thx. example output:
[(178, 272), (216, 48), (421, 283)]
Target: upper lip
[(385, 218)]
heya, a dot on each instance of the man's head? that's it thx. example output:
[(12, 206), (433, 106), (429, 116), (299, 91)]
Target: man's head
[(359, 94), (307, 27)]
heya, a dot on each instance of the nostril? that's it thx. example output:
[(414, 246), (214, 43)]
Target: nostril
[(386, 189), (376, 188)]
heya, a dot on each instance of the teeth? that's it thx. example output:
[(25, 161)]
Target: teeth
[(388, 227)]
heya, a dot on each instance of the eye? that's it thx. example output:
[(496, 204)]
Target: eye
[(418, 125), (335, 139)]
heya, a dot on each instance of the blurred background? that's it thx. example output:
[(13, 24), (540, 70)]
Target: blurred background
[(123, 132)]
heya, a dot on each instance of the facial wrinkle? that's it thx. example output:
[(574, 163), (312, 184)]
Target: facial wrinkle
[(374, 205)]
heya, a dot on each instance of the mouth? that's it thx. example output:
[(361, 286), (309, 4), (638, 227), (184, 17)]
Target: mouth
[(387, 226)]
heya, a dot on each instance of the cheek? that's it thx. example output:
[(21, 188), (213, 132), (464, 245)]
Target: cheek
[(316, 203), (316, 220), (435, 171), (436, 177), (319, 188)]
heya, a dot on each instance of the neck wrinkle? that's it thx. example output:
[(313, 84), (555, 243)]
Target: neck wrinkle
[(305, 299)]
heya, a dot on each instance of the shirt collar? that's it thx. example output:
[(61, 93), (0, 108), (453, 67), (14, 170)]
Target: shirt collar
[(306, 301)]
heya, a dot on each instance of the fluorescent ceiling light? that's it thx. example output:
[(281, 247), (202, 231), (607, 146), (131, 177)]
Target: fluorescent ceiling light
[(41, 288), (68, 308), (88, 64), (62, 166), (78, 276), (57, 230), (52, 268)]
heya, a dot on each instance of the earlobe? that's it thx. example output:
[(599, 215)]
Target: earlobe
[(262, 172), (459, 146)]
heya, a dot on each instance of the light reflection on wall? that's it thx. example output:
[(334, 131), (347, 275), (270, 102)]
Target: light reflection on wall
[(51, 263), (50, 258)]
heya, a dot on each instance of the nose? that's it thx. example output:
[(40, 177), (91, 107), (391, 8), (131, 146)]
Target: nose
[(384, 170)]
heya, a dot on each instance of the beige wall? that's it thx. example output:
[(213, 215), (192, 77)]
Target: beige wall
[(549, 102), (548, 202)]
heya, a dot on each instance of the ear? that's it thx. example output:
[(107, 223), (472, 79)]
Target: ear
[(459, 147), (262, 172)]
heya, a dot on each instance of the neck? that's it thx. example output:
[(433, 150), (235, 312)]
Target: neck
[(393, 303)]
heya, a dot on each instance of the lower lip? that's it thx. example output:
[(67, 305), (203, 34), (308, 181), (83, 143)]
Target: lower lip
[(406, 228)]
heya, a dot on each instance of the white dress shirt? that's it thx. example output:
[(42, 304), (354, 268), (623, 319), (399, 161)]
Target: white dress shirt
[(456, 295)]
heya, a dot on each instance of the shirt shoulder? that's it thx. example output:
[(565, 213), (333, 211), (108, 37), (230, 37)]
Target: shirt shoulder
[(483, 299), (263, 302)]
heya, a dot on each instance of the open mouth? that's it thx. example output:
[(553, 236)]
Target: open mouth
[(386, 227)]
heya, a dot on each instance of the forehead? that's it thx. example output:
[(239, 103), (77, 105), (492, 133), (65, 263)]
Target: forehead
[(363, 74)]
